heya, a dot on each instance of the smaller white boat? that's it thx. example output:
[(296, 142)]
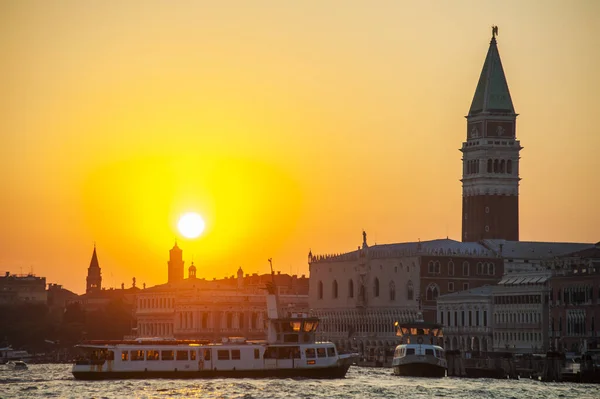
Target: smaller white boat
[(8, 354), (418, 355), (17, 365)]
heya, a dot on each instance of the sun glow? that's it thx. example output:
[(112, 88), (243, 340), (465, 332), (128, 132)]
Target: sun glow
[(191, 225)]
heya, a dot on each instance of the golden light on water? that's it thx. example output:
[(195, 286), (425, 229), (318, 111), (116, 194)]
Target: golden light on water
[(191, 225)]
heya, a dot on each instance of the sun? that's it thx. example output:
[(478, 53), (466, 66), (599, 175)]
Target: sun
[(191, 225)]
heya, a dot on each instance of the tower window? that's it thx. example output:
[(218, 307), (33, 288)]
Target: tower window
[(489, 166), (509, 166)]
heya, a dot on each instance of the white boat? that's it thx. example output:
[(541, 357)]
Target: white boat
[(419, 355), (17, 365), (8, 354), (289, 351)]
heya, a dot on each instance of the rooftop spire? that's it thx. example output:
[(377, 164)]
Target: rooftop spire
[(94, 262), (492, 94)]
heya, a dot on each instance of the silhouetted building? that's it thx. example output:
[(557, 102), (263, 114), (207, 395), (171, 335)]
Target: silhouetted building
[(17, 288), (490, 207), (94, 277), (175, 265)]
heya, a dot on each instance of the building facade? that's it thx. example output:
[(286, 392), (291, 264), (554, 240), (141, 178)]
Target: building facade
[(490, 179), (521, 313), (575, 301), (467, 319)]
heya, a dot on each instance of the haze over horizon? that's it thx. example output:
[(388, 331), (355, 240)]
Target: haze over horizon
[(288, 127)]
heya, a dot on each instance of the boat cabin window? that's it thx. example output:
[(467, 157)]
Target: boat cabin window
[(124, 356), (182, 355), (192, 355), (137, 355), (410, 351), (310, 353), (429, 352), (321, 352), (235, 354), (331, 351), (151, 355), (223, 354), (282, 352), (256, 354), (167, 355), (206, 354)]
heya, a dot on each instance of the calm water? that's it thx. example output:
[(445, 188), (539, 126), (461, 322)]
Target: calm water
[(53, 380)]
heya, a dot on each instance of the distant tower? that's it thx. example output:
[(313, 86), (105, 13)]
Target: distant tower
[(240, 278), (94, 277), (192, 271), (490, 179), (175, 264)]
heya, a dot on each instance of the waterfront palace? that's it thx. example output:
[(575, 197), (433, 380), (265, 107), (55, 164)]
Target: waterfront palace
[(491, 291)]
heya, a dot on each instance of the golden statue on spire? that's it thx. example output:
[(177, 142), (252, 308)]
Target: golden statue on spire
[(494, 31)]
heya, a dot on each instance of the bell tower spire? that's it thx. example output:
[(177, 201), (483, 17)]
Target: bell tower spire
[(94, 277), (491, 157)]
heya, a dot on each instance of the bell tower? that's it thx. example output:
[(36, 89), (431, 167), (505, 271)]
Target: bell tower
[(490, 179), (94, 276), (175, 264)]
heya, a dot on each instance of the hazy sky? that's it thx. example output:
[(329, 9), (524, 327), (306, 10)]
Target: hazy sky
[(289, 125)]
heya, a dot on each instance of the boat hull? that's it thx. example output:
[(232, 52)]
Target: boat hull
[(318, 373), (420, 370)]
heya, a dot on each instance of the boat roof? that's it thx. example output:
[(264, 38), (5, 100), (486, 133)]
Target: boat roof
[(189, 343), (417, 345)]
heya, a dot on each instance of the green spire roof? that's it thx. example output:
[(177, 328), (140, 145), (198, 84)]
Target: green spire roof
[(492, 94)]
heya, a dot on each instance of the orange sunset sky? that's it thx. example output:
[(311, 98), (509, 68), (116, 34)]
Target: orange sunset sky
[(288, 125)]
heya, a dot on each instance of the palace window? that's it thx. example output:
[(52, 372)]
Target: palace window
[(351, 288), (320, 289), (409, 291), (392, 291), (465, 268), (334, 289), (376, 287), (432, 292), (450, 268)]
